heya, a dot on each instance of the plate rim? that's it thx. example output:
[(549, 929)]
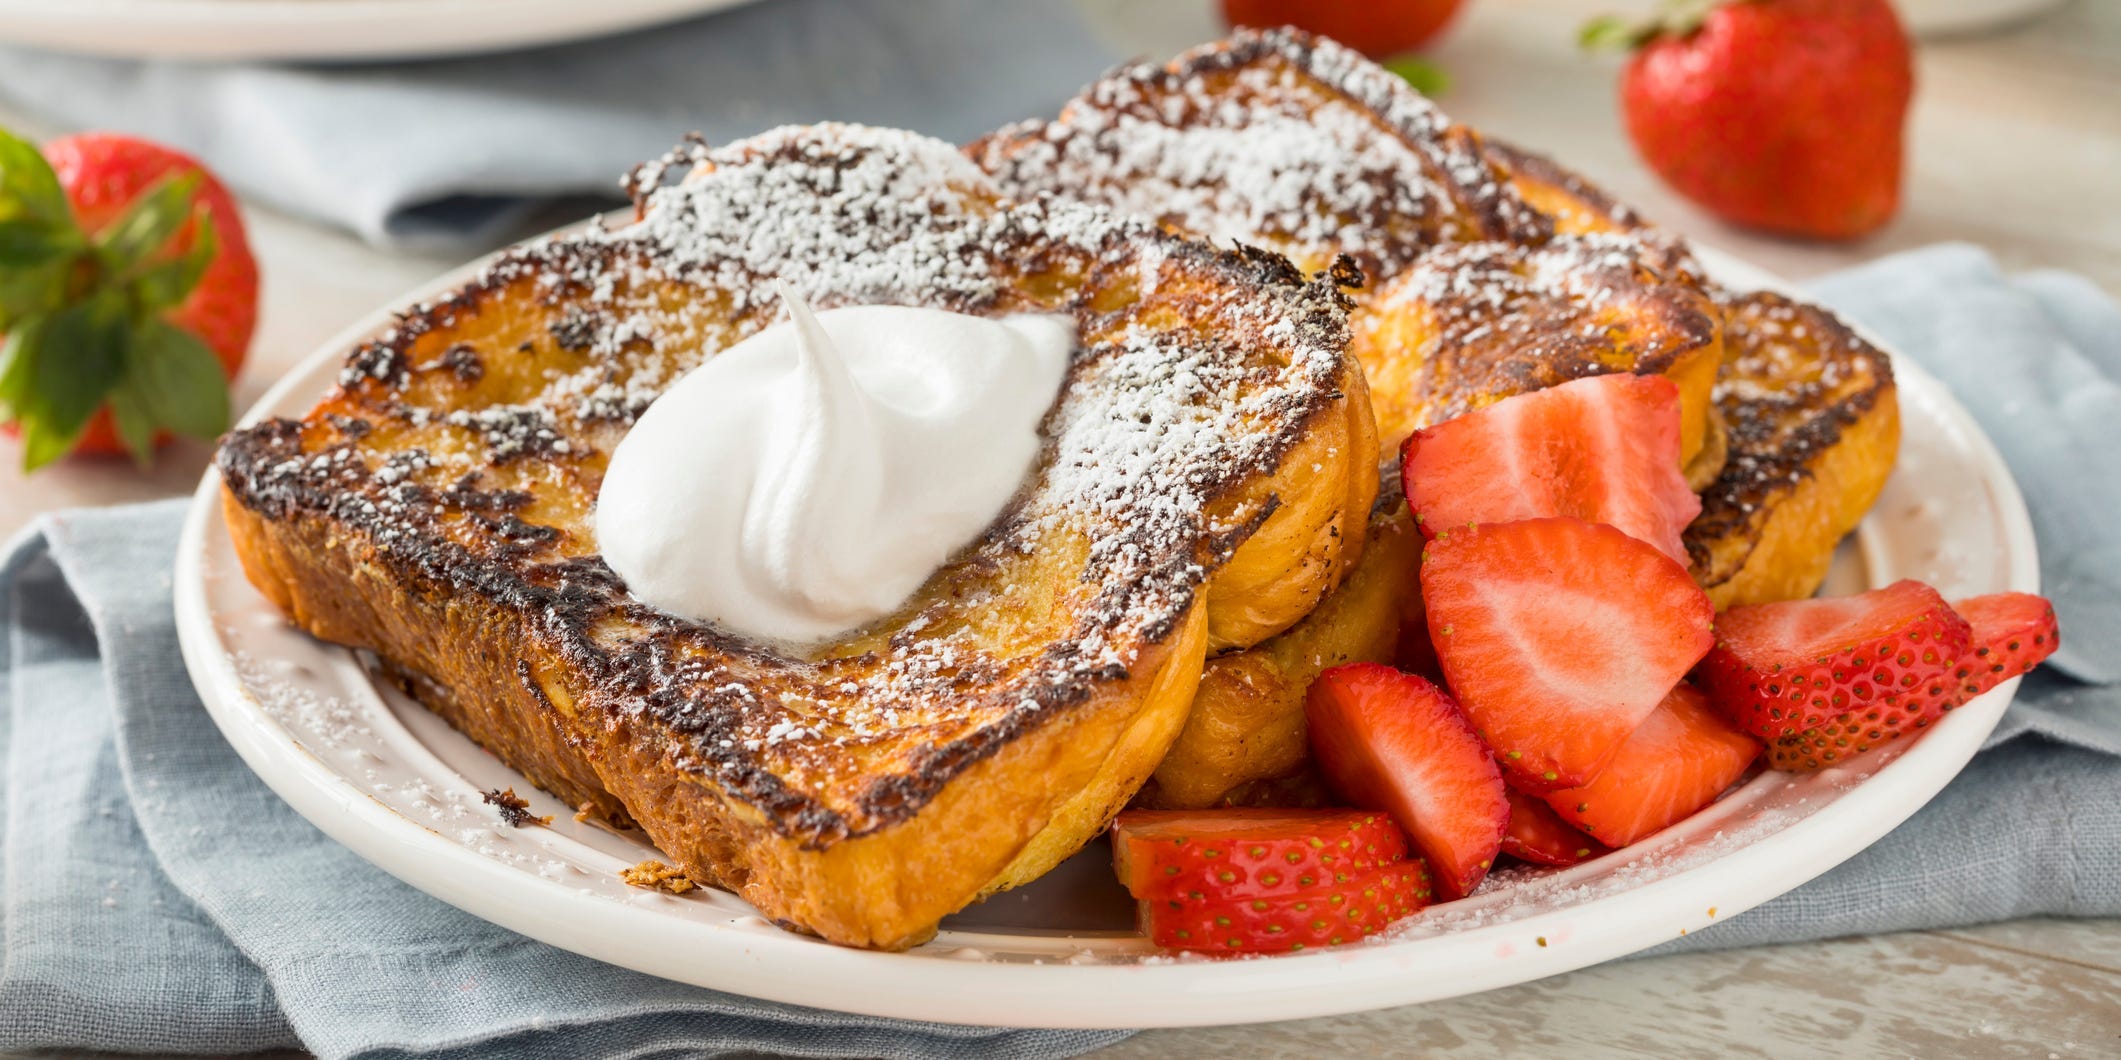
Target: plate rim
[(788, 968)]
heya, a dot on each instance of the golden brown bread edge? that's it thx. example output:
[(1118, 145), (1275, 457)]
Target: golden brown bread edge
[(1244, 740), (509, 651), (1814, 423)]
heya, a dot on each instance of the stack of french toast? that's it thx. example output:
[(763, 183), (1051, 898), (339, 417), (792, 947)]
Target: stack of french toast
[(1279, 259)]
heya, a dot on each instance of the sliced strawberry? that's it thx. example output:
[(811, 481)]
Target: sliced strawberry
[(1398, 743), (1265, 881), (1244, 853), (2010, 634), (1604, 449), (1414, 654), (1537, 834), (1844, 736), (1559, 637), (1785, 668), (1362, 904), (1680, 760)]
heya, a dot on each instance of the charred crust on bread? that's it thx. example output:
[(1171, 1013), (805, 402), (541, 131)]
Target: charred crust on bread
[(1795, 380), (1396, 176)]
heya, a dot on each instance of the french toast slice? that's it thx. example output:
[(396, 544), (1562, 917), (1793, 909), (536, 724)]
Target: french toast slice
[(1295, 143), (1814, 424), (436, 507)]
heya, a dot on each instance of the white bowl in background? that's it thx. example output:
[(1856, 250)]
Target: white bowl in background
[(1940, 18)]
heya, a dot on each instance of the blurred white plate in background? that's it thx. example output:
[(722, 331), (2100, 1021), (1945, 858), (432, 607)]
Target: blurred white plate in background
[(324, 29), (1938, 18)]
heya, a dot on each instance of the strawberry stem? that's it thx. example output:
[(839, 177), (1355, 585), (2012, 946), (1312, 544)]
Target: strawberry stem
[(1674, 18), (1423, 75)]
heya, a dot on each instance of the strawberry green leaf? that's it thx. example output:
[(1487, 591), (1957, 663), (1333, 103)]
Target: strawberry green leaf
[(177, 380), (16, 366), (148, 224), (43, 443), (1612, 33), (134, 421), (36, 259), (1674, 18), (76, 357), (26, 244), (32, 291), (29, 190), (38, 237), (166, 284), (1426, 77)]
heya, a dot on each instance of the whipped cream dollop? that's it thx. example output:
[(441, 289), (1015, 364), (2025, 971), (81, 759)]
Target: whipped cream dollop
[(808, 479)]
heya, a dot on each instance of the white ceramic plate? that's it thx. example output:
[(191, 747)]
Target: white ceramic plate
[(324, 29), (393, 782)]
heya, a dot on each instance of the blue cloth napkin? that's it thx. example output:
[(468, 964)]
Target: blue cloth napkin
[(457, 153), (158, 898)]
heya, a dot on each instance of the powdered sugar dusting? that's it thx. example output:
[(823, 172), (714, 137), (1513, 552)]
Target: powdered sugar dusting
[(513, 431), (1203, 371), (860, 215), (1500, 319), (1513, 290), (1149, 424), (1272, 139), (1775, 349)]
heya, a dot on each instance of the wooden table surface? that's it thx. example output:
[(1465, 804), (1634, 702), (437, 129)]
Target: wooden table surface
[(2016, 145)]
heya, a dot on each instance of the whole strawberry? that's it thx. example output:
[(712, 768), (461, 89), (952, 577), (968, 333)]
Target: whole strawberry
[(127, 296), (1784, 115), (1376, 28)]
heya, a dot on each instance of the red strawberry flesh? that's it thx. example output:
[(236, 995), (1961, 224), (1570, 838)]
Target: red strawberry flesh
[(1376, 28), (1679, 761), (1786, 668), (1397, 743), (1537, 834), (1248, 853), (1844, 736), (1559, 637), (1603, 449), (1361, 905), (2009, 632)]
